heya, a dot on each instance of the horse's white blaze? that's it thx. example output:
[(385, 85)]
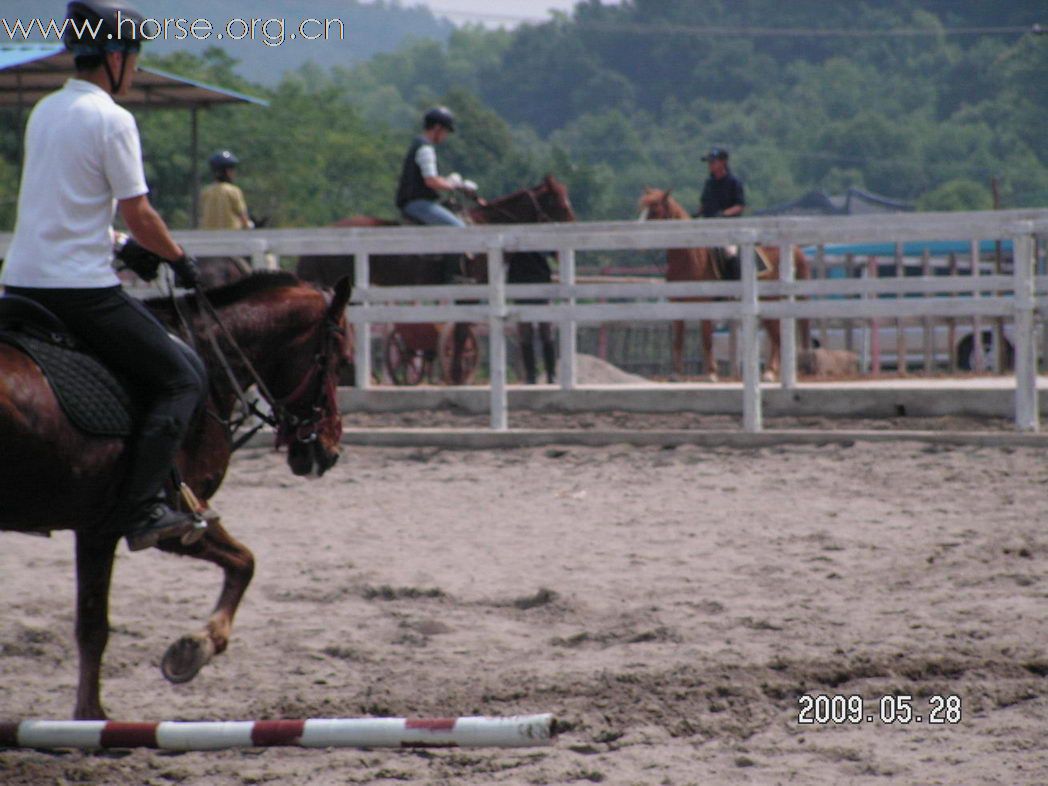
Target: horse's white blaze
[(644, 214)]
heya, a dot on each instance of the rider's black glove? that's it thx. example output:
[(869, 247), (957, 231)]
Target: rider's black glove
[(137, 258), (187, 274)]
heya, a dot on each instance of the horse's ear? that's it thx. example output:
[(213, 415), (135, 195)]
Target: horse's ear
[(343, 289)]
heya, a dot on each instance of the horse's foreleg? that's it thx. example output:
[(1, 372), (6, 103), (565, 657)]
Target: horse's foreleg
[(774, 350), (549, 351), (184, 659), (94, 572), (708, 360), (677, 346), (526, 337)]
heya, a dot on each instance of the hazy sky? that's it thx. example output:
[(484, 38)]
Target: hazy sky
[(496, 11)]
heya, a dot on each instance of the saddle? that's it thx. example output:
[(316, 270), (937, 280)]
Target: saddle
[(91, 396), (728, 266)]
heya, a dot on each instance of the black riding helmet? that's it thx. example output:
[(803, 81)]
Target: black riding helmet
[(96, 27), (439, 116), (223, 159)]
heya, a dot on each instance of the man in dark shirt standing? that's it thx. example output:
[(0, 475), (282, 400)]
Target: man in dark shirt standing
[(722, 196)]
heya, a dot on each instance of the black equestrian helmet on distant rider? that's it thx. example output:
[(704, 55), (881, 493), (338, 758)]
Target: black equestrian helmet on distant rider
[(96, 27), (223, 159), (439, 116)]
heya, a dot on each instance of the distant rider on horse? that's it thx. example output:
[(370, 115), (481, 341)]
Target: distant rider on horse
[(83, 159), (418, 192), (723, 195), (222, 203)]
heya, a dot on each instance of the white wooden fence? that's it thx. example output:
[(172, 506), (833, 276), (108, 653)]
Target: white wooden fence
[(1017, 296)]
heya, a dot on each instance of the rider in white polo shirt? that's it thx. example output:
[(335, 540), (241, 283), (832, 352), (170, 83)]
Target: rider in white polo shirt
[(83, 160)]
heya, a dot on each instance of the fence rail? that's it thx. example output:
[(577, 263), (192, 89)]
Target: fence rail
[(1018, 296)]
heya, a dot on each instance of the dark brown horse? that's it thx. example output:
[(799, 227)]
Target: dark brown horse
[(696, 264), (54, 477), (546, 202)]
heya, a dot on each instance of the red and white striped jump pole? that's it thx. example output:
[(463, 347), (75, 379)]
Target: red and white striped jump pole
[(519, 731)]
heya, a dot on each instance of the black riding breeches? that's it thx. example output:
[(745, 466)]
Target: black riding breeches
[(131, 341)]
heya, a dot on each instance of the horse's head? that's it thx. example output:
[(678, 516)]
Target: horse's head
[(657, 205), (546, 202), (552, 197), (308, 419)]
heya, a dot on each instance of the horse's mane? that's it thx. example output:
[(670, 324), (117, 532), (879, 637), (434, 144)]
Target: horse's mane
[(261, 281), (549, 182)]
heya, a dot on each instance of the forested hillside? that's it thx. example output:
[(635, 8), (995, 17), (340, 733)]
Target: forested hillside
[(922, 101)]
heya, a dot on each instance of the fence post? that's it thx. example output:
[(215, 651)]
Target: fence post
[(928, 323), (1026, 411), (751, 348), (361, 326), (497, 335), (258, 255), (875, 327), (901, 349), (788, 326), (568, 328)]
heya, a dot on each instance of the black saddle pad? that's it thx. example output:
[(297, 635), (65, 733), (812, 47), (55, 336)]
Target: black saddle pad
[(88, 392)]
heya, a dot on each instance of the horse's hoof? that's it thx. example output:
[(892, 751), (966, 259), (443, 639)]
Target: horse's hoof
[(186, 657), (768, 376), (712, 378)]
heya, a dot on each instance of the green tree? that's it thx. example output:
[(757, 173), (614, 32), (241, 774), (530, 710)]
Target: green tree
[(957, 194)]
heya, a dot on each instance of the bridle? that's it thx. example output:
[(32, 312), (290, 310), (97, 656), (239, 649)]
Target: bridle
[(297, 416), (540, 213)]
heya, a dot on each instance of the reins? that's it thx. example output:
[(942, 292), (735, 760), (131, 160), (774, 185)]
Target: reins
[(497, 206), (289, 426)]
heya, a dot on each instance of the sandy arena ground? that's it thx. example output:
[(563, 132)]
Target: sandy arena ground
[(670, 606)]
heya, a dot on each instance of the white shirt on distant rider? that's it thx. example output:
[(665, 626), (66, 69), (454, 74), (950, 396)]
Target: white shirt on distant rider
[(82, 154), (426, 158)]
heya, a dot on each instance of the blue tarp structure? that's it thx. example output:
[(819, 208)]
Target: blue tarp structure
[(935, 248)]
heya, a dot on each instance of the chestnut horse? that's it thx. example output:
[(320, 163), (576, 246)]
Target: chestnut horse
[(696, 264), (55, 477), (546, 202)]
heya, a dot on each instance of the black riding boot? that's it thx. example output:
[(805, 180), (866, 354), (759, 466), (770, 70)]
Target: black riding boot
[(449, 268), (143, 514), (452, 270)]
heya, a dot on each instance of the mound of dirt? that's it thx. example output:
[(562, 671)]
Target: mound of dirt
[(594, 371)]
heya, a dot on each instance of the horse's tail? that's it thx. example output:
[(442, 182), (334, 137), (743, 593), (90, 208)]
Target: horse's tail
[(802, 272)]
